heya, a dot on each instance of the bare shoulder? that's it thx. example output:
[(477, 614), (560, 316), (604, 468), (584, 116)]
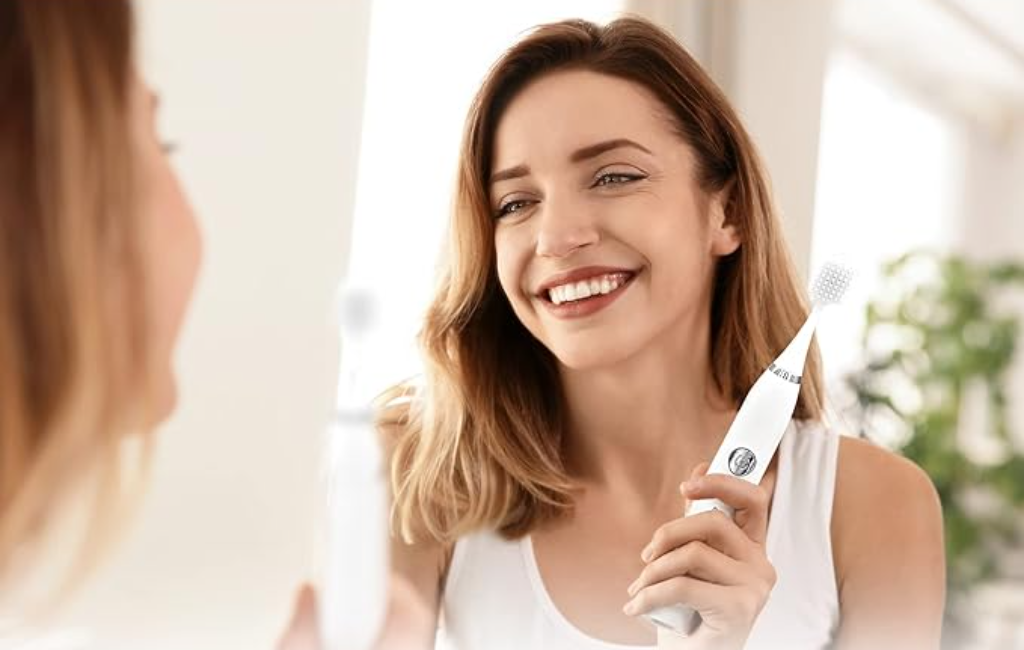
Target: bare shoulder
[(880, 498), (414, 595), (417, 570), (422, 562), (874, 479), (888, 546)]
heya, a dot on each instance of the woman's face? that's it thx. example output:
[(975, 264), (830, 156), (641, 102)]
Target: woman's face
[(171, 247), (604, 243)]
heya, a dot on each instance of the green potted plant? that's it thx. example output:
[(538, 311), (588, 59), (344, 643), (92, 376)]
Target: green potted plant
[(936, 338)]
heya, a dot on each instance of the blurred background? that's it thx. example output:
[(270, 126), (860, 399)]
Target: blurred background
[(318, 140)]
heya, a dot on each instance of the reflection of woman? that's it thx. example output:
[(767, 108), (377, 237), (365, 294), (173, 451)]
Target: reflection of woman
[(98, 254), (616, 281)]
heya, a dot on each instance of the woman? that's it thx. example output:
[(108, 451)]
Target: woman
[(616, 280), (99, 251)]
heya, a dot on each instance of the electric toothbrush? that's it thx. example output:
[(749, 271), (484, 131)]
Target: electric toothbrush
[(759, 425), (354, 589)]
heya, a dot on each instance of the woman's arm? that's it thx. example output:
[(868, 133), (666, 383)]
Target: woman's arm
[(888, 549)]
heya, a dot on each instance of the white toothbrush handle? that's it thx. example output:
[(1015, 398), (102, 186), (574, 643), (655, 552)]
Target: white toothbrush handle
[(683, 619)]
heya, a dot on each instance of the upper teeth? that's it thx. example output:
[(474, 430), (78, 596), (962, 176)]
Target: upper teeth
[(585, 288)]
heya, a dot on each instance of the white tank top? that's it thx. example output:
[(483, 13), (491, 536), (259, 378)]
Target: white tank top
[(494, 596)]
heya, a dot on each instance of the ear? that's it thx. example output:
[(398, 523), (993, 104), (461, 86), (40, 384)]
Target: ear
[(723, 235)]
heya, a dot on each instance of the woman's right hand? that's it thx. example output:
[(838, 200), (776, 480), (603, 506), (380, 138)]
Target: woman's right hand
[(303, 632), (715, 565)]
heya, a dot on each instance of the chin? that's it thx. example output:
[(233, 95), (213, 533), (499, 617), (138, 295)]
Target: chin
[(163, 401), (583, 354)]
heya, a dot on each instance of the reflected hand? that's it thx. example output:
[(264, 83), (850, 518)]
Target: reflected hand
[(303, 632)]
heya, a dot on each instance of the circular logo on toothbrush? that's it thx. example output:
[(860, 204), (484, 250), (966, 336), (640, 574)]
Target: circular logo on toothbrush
[(742, 461)]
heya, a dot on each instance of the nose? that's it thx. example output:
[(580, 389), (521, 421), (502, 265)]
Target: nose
[(564, 226)]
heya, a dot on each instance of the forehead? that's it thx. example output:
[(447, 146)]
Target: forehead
[(565, 110)]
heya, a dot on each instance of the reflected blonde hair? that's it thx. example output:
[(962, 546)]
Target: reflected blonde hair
[(73, 356), (478, 445)]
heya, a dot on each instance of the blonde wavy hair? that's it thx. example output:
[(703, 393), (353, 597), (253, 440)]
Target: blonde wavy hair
[(477, 443), (73, 354)]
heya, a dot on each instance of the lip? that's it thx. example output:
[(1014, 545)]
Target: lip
[(576, 275)]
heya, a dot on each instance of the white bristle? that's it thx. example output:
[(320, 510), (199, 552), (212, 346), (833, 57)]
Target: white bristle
[(357, 310), (830, 285)]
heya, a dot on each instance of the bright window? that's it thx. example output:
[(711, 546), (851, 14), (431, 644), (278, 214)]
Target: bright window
[(888, 175)]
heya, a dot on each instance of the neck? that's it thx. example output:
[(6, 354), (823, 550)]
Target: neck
[(638, 427)]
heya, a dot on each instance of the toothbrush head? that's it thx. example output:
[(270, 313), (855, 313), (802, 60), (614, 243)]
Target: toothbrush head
[(358, 311), (830, 285)]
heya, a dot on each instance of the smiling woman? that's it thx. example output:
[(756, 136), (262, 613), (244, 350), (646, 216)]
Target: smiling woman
[(615, 282)]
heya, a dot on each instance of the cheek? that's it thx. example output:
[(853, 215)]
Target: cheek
[(511, 261), (679, 252)]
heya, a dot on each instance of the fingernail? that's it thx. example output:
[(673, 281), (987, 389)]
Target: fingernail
[(693, 485), (646, 554), (631, 590), (629, 609)]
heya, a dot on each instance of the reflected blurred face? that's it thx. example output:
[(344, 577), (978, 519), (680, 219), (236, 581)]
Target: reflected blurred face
[(604, 242), (171, 247)]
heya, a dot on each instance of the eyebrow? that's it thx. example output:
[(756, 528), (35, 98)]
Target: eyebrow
[(586, 153), (596, 150)]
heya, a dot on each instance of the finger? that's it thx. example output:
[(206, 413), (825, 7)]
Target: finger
[(683, 590), (722, 609), (749, 502), (303, 632), (713, 528), (696, 560)]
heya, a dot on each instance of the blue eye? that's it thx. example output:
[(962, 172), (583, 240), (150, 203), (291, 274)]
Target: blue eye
[(511, 207), (612, 178)]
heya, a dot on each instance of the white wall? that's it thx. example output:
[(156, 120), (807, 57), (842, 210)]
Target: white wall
[(263, 98), (778, 70)]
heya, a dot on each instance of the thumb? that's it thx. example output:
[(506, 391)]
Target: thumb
[(303, 631), (700, 469)]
